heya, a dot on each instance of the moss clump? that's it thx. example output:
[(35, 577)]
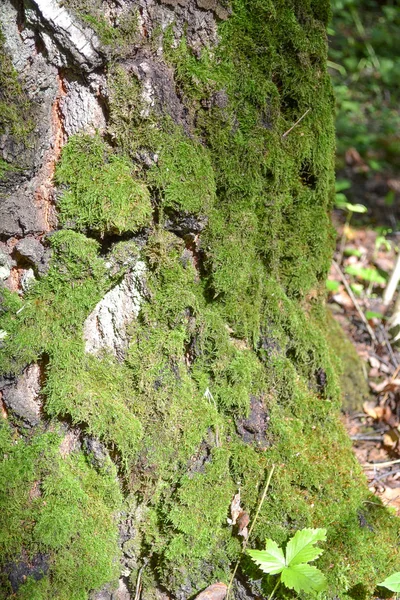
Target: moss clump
[(61, 507), (16, 114), (353, 382), (90, 391), (183, 174), (232, 314), (102, 195), (116, 34)]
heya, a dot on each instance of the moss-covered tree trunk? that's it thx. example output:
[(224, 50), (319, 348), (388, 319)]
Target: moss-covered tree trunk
[(167, 173)]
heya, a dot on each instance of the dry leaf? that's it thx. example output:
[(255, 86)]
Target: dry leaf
[(391, 497), (373, 410), (343, 299), (374, 362), (391, 438), (216, 591), (236, 509), (242, 521)]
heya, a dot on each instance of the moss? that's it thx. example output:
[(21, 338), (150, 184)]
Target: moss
[(234, 312), (353, 381), (102, 194), (62, 508), (16, 111), (92, 392), (183, 173), (116, 34)]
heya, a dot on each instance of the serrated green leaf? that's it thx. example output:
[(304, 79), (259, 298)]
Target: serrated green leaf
[(300, 548), (271, 560), (392, 583), (303, 577)]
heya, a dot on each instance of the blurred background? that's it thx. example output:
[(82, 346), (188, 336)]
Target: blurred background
[(363, 285)]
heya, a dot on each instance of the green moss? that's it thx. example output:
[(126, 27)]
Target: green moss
[(16, 111), (183, 174), (236, 312), (116, 34), (102, 194), (353, 381), (92, 392), (61, 507)]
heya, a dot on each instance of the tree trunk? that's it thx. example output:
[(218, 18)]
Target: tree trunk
[(167, 171)]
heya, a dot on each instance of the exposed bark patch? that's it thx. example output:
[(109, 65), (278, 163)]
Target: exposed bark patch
[(19, 570), (253, 429)]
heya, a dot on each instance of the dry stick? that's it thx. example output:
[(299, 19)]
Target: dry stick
[(381, 465), (353, 298), (138, 584), (385, 475), (297, 122), (392, 284), (250, 530)]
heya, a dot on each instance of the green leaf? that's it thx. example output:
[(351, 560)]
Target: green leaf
[(300, 548), (271, 560), (332, 285), (357, 208), (371, 314), (371, 274), (342, 184), (303, 577), (392, 583)]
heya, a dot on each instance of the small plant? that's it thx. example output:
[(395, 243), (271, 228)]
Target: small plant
[(392, 583), (292, 566)]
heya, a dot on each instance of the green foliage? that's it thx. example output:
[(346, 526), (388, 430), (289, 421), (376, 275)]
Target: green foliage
[(369, 274), (102, 194), (392, 583), (292, 567), (365, 63), (61, 506)]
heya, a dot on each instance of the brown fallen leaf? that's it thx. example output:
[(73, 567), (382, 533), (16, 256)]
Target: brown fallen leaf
[(391, 497), (373, 410), (236, 509), (242, 521), (216, 591), (343, 299), (391, 438)]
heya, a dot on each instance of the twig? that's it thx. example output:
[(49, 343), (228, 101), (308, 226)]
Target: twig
[(381, 465), (392, 284), (354, 300), (366, 438), (250, 531), (385, 475), (138, 584), (389, 347), (392, 377), (297, 122), (275, 588)]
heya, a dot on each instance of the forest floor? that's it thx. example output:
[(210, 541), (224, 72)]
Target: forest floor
[(368, 243)]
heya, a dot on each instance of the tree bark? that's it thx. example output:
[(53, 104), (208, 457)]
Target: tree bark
[(166, 182)]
